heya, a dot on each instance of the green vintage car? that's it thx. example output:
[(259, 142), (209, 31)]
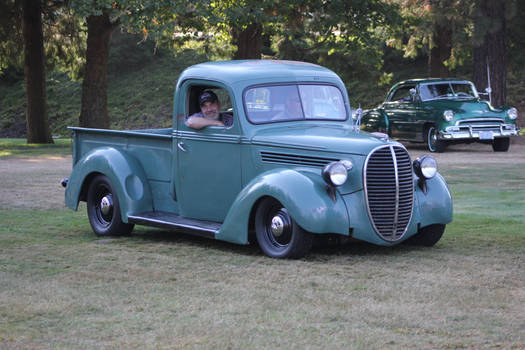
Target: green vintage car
[(441, 112), (293, 166)]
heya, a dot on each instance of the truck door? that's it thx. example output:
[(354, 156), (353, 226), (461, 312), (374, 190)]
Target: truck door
[(209, 165)]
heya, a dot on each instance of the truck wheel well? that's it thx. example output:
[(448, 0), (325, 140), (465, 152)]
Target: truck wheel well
[(251, 221), (85, 185)]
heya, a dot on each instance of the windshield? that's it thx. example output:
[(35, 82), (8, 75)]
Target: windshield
[(447, 90), (267, 104)]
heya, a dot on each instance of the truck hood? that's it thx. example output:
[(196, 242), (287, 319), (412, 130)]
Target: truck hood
[(338, 139)]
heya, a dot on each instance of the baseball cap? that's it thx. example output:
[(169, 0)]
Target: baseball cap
[(207, 96)]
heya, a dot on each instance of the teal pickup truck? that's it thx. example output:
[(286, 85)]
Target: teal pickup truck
[(272, 177)]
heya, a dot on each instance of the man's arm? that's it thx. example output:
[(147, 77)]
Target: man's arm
[(200, 122)]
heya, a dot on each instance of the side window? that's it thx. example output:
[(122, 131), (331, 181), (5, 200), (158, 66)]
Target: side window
[(223, 102), (402, 94)]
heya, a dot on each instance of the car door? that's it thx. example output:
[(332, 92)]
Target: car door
[(401, 108), (209, 166)]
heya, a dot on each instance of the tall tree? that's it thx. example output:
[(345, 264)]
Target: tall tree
[(490, 46), (36, 114), (94, 109)]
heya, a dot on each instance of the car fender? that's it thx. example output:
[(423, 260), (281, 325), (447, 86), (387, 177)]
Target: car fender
[(123, 170), (433, 206), (302, 193), (375, 120)]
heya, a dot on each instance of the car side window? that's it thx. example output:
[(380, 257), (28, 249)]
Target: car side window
[(402, 94)]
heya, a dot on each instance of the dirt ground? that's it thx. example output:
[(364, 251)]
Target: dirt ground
[(35, 182)]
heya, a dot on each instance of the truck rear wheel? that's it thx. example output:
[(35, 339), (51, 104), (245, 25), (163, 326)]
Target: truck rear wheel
[(278, 235), (103, 209)]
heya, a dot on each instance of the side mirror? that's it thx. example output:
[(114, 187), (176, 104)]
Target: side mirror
[(357, 114), (413, 94)]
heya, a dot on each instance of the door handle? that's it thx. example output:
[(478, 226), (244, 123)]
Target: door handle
[(181, 146)]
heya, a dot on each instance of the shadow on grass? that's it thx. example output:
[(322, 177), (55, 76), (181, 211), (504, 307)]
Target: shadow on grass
[(323, 249)]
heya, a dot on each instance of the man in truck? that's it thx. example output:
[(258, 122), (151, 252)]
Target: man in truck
[(210, 113)]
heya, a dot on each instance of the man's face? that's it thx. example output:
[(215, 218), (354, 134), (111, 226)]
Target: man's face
[(210, 110)]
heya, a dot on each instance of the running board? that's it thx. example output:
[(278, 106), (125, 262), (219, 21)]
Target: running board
[(176, 222)]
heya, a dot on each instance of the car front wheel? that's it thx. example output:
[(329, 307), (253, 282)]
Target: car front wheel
[(103, 209), (501, 144), (278, 235), (433, 142)]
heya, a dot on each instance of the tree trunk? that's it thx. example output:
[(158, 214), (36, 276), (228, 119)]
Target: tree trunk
[(440, 51), (36, 114), (492, 48), (94, 110), (248, 41)]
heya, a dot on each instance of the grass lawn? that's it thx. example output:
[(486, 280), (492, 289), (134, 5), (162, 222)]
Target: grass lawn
[(63, 287)]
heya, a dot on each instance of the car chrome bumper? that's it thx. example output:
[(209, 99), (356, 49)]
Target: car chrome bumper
[(468, 132)]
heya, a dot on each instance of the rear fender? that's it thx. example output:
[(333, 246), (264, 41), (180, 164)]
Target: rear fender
[(123, 170), (302, 193)]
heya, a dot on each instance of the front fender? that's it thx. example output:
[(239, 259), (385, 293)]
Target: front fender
[(123, 170), (434, 206), (302, 193), (375, 120)]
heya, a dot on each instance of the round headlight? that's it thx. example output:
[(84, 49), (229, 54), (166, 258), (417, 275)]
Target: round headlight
[(512, 113), (448, 115), (425, 167), (335, 174)]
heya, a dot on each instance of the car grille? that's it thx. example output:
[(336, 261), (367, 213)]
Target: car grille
[(481, 124), (389, 191)]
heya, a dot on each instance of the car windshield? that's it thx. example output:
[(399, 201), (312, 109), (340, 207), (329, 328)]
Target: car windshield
[(267, 104), (447, 90)]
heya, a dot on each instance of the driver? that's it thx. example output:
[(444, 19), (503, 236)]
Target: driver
[(210, 113)]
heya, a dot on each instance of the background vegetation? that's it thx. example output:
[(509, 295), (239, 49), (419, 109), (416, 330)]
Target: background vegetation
[(371, 44)]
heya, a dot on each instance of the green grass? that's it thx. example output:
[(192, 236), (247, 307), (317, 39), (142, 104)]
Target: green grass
[(20, 147), (63, 287)]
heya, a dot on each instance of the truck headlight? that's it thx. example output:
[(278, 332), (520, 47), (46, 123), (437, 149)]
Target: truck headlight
[(425, 167), (512, 113), (448, 115), (335, 173)]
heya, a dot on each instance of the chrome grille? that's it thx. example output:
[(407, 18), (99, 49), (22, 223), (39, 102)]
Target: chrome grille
[(485, 124), (389, 191), (294, 159)]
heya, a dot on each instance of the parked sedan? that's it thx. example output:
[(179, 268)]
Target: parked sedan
[(440, 112)]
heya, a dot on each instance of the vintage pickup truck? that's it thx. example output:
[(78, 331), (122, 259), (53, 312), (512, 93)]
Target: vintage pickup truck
[(441, 112), (272, 177)]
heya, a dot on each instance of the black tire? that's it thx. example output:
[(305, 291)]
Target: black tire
[(433, 143), (278, 234), (501, 144), (104, 210), (427, 236)]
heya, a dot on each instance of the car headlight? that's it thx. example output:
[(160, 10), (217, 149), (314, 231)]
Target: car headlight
[(512, 113), (448, 115), (425, 167), (335, 173)]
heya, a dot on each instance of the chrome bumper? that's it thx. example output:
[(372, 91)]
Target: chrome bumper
[(469, 132)]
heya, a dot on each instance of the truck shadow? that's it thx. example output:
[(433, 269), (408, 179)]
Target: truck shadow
[(322, 249)]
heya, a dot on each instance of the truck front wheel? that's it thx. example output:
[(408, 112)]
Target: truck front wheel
[(427, 236), (104, 210), (278, 234)]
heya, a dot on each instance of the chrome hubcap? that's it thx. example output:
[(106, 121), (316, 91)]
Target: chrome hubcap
[(106, 204), (277, 226)]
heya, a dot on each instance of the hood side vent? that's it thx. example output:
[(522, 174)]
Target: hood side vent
[(294, 159)]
